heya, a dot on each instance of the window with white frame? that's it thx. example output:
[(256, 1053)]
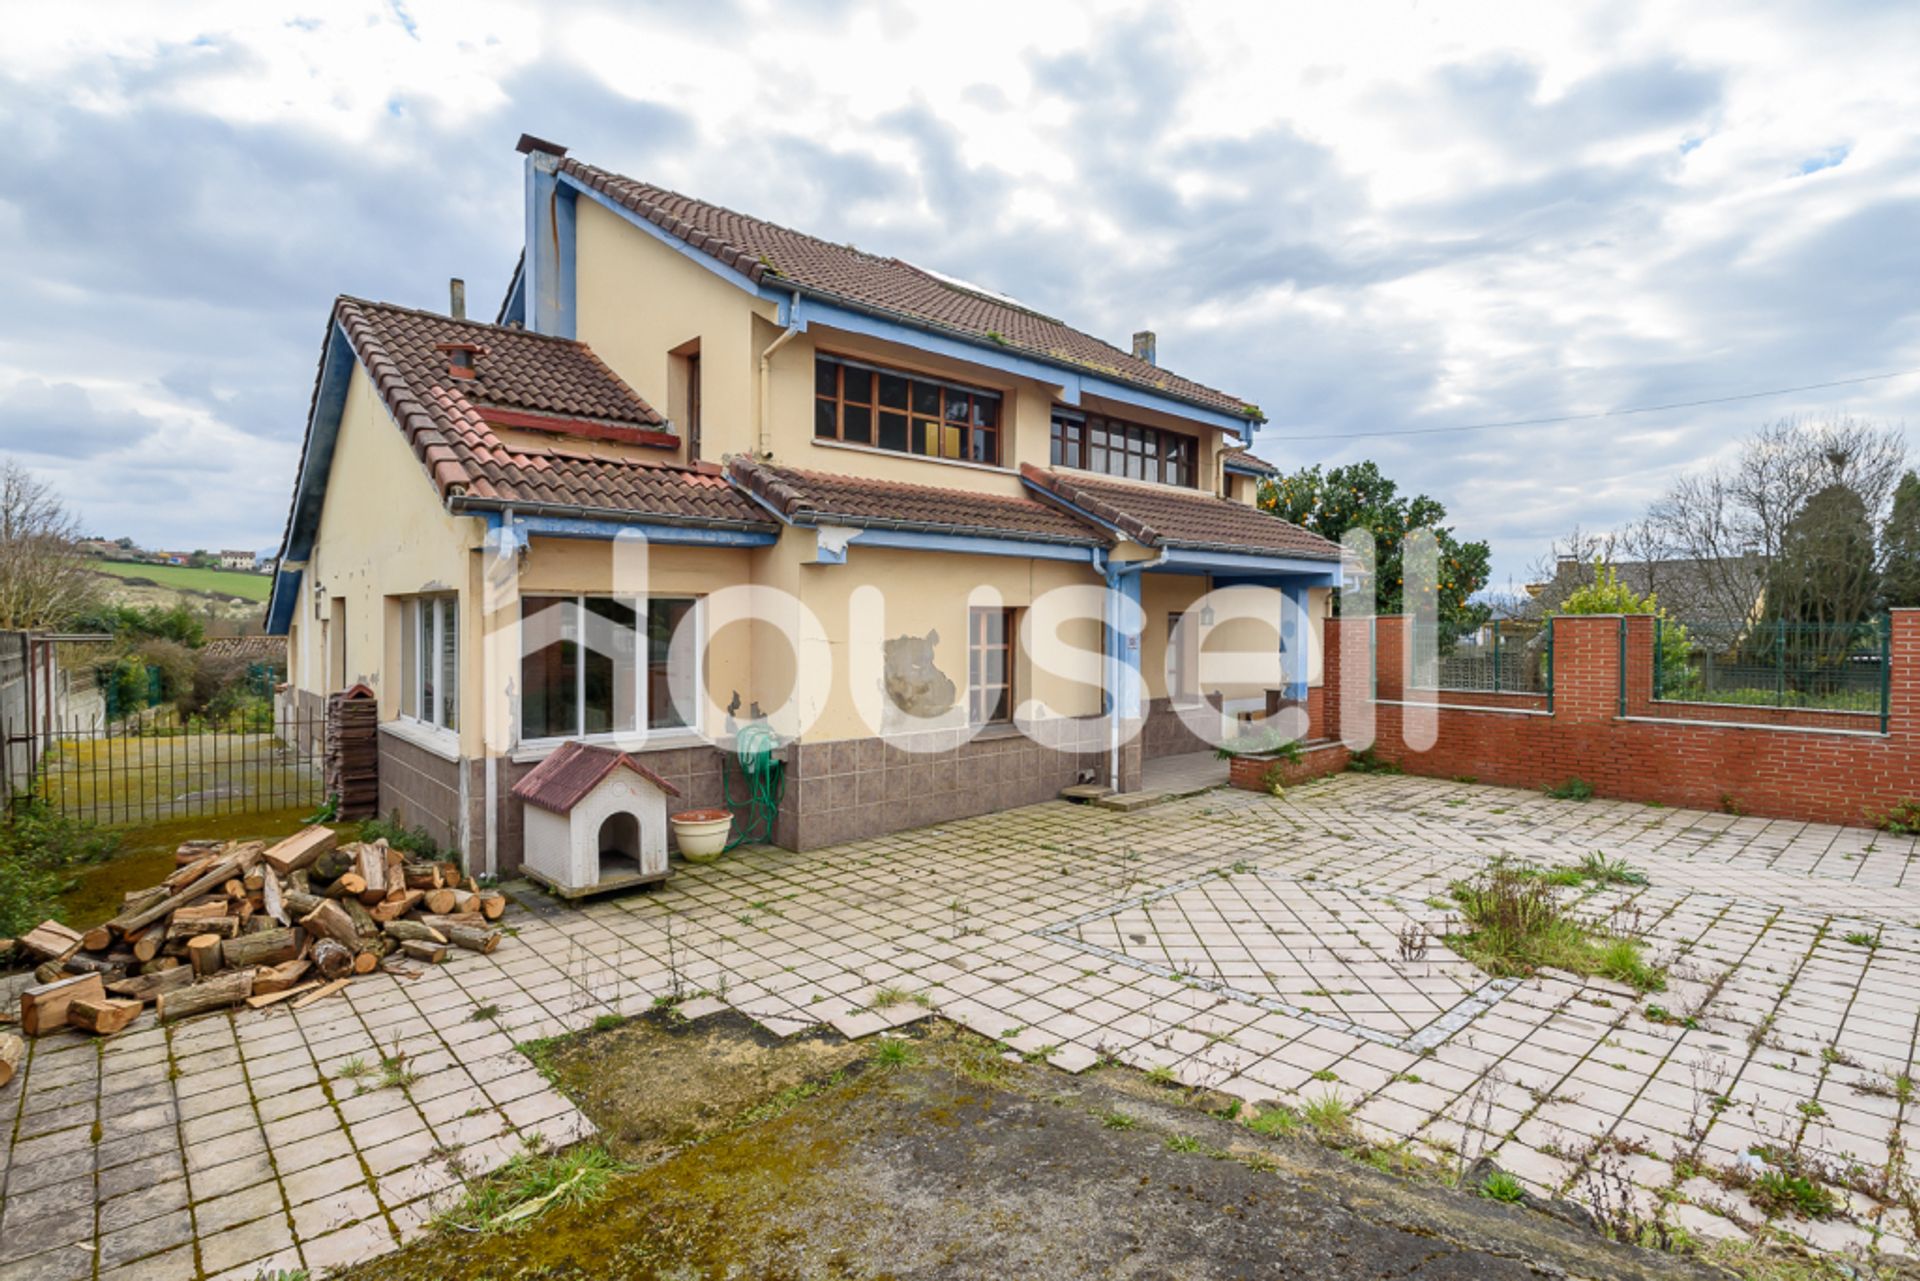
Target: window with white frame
[(430, 660), (603, 665)]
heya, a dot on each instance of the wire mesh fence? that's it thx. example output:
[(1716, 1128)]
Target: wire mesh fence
[(155, 767), (1503, 656), (1843, 667)]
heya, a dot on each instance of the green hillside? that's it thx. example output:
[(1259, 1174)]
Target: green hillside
[(216, 582)]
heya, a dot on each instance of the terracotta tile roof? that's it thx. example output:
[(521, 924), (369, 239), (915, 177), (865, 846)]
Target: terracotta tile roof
[(767, 253), (1161, 516), (441, 417), (254, 648), (1240, 458), (820, 498), (573, 769)]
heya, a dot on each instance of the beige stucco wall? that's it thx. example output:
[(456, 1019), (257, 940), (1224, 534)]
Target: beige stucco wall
[(383, 534)]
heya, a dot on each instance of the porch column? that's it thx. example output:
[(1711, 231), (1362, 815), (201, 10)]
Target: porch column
[(1295, 638), (1124, 620)]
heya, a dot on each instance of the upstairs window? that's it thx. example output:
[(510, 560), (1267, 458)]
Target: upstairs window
[(1094, 442), (861, 404)]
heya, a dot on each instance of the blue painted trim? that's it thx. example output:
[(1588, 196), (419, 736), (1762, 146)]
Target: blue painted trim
[(971, 545), (613, 527), (1292, 643), (285, 599), (1317, 573), (309, 489), (514, 310), (700, 258), (1123, 658), (1241, 469)]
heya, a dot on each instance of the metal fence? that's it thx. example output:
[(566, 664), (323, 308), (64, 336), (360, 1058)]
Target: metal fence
[(1845, 667), (1500, 657), (153, 767)]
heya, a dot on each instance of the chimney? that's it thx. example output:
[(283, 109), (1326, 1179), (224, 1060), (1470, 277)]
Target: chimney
[(457, 302), (1145, 347), (463, 358)]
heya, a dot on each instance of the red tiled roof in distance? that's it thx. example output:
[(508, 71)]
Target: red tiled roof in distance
[(765, 252), (821, 498), (1162, 516), (574, 769)]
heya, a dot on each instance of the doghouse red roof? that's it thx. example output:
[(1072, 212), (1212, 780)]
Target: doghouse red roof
[(563, 780)]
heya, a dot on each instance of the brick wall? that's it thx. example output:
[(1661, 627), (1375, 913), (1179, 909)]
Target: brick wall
[(1254, 772), (1820, 766)]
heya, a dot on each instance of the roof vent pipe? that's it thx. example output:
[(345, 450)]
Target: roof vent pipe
[(1146, 347), (457, 300)]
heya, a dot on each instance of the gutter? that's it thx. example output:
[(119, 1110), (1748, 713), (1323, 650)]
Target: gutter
[(462, 504), (787, 335)]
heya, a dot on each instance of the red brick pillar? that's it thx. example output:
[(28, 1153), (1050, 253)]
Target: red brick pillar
[(1390, 657), (1586, 667), (1903, 703), (1641, 632)]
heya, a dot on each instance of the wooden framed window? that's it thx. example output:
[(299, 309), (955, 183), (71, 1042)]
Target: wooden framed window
[(989, 666), (861, 404), (1094, 442)]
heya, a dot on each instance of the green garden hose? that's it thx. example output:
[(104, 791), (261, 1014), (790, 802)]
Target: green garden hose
[(765, 779)]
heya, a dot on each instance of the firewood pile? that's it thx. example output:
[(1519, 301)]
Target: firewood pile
[(248, 923)]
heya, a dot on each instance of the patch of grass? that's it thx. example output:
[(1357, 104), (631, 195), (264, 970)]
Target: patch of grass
[(1276, 1121), (1516, 926), (1270, 742), (608, 1022), (1863, 938), (528, 1185), (1574, 789), (483, 1013), (1902, 818), (39, 853), (184, 578), (894, 1052), (1329, 1116), (1326, 1074), (1601, 870), (353, 1069), (1161, 1074), (888, 997), (1501, 1186), (1184, 1143), (1117, 1121), (1666, 1018), (1778, 1192), (1365, 762)]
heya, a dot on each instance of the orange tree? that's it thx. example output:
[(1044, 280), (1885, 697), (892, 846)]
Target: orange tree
[(1358, 496)]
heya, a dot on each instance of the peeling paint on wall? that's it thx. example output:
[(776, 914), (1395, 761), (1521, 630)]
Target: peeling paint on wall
[(915, 687)]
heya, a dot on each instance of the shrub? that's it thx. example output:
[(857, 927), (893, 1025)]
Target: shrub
[(408, 840), (1365, 762), (1517, 925), (1574, 789), (1501, 1186), (38, 851), (1902, 818)]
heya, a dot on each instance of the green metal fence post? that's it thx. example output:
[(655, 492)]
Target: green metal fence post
[(1496, 656), (1780, 677)]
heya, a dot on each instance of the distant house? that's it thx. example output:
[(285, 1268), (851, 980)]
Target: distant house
[(1696, 591), (237, 560)]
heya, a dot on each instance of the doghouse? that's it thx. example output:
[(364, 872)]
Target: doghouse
[(595, 820)]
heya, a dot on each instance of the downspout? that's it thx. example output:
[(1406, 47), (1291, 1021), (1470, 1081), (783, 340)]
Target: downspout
[(787, 335), (1114, 573)]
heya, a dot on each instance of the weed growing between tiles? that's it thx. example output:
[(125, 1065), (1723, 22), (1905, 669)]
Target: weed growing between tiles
[(1517, 924)]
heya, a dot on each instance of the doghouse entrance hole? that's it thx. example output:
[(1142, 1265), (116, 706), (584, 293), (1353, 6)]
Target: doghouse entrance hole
[(619, 845)]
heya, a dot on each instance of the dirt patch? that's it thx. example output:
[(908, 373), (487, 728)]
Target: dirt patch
[(945, 1161)]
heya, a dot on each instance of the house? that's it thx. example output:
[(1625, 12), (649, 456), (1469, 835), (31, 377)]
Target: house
[(236, 560), (1709, 593), (705, 473)]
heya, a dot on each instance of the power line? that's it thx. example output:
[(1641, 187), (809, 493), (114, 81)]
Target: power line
[(1609, 413)]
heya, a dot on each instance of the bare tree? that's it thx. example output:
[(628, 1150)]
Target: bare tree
[(44, 580)]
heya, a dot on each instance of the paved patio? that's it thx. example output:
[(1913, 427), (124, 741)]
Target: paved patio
[(1241, 941)]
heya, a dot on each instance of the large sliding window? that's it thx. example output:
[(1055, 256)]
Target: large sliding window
[(862, 404), (430, 660), (1094, 442), (602, 665)]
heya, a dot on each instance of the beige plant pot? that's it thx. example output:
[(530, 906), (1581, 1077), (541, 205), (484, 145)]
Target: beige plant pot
[(701, 834)]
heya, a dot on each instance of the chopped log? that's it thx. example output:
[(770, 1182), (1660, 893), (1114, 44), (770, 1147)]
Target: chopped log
[(278, 978), (441, 920), (216, 993), (160, 964), (193, 926), (363, 922), (423, 876), (420, 950), (272, 901), (97, 939), (320, 993), (190, 852), (413, 932), (135, 900), (347, 885), (193, 871), (236, 888), (149, 986), (332, 959), (364, 962), (49, 972), (201, 911), (441, 901), (331, 864), (330, 920), (44, 1008), (392, 908), (474, 940), (493, 906), (300, 902), (370, 865), (103, 1017), (300, 849), (261, 1000), (269, 947), (81, 963), (146, 943), (127, 922), (12, 1049), (51, 941), (247, 853), (203, 953)]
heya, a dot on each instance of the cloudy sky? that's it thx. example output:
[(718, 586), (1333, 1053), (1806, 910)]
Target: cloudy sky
[(1364, 217)]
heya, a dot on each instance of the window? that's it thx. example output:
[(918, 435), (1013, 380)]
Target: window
[(693, 408), (989, 666), (887, 409), (1179, 660), (1097, 443), (430, 660), (582, 670)]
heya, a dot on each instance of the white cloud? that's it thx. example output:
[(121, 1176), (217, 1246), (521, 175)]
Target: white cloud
[(1362, 217)]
